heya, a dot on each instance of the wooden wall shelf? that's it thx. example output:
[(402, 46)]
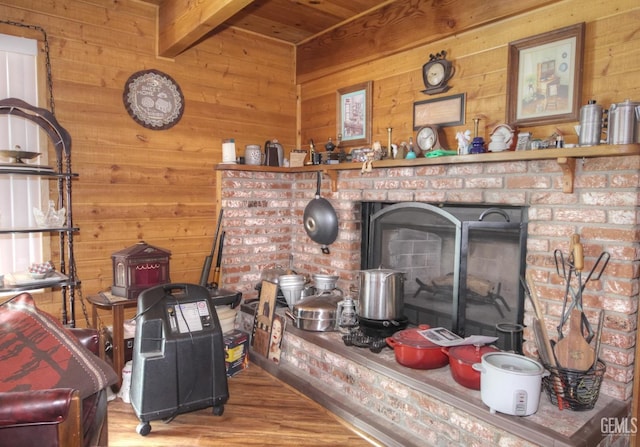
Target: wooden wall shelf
[(566, 159)]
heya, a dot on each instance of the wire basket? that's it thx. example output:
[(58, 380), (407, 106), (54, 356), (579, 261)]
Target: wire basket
[(572, 389)]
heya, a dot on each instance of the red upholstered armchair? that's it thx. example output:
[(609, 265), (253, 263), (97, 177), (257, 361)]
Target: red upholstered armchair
[(53, 386)]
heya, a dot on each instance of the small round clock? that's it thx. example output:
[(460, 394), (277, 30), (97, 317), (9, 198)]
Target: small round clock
[(428, 138), (436, 73), (153, 99)]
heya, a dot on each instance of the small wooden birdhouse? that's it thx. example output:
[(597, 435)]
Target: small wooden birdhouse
[(137, 268)]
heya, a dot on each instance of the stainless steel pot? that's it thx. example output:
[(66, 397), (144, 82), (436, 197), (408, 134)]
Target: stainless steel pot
[(381, 294), (317, 312)]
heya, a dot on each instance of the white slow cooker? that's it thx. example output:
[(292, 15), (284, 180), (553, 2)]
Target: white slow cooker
[(510, 383)]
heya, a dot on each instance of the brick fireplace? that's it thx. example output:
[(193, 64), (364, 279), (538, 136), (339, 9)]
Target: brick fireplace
[(263, 223)]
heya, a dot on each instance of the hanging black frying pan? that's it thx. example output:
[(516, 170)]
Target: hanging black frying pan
[(320, 220)]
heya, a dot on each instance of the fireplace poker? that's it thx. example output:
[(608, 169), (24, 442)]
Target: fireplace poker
[(206, 268), (566, 274), (559, 258), (216, 272)]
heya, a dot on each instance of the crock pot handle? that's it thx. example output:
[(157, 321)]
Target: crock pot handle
[(478, 367)]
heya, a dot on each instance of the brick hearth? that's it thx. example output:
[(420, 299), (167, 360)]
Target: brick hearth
[(403, 407)]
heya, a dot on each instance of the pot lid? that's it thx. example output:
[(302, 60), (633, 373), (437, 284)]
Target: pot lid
[(412, 337), (513, 363), (381, 271), (273, 274), (323, 306), (470, 353)]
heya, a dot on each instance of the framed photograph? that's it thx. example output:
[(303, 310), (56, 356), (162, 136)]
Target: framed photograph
[(545, 77), (524, 138), (447, 111), (354, 114), (263, 318)]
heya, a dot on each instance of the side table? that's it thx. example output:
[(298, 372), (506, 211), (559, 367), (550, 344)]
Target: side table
[(117, 305)]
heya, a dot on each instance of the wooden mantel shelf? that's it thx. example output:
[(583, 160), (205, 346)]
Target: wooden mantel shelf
[(566, 159)]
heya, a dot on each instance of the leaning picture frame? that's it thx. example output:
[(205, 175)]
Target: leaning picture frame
[(354, 114), (544, 80)]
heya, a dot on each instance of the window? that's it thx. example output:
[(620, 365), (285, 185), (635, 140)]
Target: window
[(20, 194)]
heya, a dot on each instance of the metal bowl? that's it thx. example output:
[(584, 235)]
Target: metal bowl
[(325, 282)]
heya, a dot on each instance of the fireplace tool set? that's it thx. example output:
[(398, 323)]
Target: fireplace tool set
[(575, 370), (573, 266)]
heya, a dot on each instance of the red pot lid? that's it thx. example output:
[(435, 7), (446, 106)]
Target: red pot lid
[(412, 337), (470, 353)]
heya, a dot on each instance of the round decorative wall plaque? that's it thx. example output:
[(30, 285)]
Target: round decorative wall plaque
[(153, 99)]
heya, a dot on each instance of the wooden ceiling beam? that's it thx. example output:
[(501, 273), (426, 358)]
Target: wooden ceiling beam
[(182, 23)]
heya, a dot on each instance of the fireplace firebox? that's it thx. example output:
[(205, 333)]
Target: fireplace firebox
[(462, 264)]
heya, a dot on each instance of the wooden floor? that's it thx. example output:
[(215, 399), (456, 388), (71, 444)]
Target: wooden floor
[(261, 411)]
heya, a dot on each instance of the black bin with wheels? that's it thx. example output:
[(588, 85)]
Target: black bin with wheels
[(178, 354)]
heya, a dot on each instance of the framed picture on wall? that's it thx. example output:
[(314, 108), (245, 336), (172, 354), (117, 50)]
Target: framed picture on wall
[(545, 77), (354, 114), (447, 111)]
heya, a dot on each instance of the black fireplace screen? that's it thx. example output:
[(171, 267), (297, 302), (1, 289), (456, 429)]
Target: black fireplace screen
[(462, 264)]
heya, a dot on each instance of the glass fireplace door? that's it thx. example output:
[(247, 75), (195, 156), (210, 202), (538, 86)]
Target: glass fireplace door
[(462, 264), (491, 266)]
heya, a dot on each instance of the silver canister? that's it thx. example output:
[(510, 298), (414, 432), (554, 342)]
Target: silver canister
[(622, 122), (590, 124)]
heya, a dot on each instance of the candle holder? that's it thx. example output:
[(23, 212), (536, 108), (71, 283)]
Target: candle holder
[(477, 145)]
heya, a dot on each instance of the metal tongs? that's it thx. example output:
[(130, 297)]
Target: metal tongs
[(573, 265)]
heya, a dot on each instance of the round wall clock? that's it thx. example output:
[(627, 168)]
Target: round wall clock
[(153, 99)]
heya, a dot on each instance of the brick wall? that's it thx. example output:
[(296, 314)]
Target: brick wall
[(263, 223)]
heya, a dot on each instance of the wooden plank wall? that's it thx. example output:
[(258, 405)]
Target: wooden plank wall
[(139, 184), (611, 68), (158, 186)]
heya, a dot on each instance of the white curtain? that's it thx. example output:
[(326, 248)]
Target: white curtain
[(19, 194)]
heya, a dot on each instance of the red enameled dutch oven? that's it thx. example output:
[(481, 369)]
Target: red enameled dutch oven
[(461, 360), (415, 351)]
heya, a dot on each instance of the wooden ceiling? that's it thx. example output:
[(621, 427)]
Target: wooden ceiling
[(297, 21), (182, 23), (329, 35)]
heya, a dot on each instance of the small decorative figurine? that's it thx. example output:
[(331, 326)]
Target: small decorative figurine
[(329, 146), (464, 140)]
